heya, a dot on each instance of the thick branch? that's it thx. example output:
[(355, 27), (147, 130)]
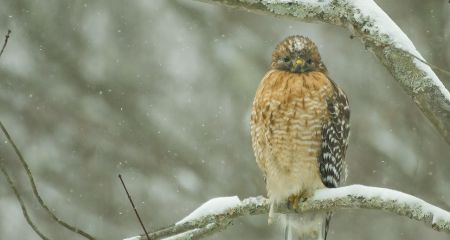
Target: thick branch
[(218, 213), (380, 34)]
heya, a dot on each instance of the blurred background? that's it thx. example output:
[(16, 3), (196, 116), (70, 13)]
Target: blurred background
[(160, 91)]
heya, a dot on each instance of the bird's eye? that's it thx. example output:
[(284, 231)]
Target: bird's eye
[(286, 59), (309, 61)]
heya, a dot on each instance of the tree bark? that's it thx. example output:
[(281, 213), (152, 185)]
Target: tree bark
[(203, 222)]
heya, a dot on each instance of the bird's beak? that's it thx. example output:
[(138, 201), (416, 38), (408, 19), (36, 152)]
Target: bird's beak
[(298, 65), (299, 61)]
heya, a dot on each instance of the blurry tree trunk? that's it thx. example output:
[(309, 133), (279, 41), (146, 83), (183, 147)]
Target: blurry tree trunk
[(381, 35)]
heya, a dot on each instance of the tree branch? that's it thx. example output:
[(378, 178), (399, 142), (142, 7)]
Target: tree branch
[(35, 191), (8, 34), (218, 213), (381, 35), (21, 202)]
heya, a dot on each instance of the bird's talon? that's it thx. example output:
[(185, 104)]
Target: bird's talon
[(293, 201), (303, 199)]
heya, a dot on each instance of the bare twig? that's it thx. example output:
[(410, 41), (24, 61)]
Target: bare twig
[(198, 233), (22, 204), (6, 42), (35, 191), (8, 178), (173, 230), (350, 197), (31, 179), (134, 207), (443, 71)]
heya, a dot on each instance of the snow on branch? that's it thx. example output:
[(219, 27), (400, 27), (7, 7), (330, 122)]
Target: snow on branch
[(217, 213), (368, 22)]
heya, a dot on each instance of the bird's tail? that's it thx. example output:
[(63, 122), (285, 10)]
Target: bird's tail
[(307, 226)]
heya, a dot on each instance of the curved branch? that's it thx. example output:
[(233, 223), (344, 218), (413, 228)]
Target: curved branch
[(21, 202), (34, 188), (218, 213), (31, 179), (381, 35)]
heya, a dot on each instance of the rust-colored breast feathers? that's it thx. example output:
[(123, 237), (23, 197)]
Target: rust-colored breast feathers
[(286, 127)]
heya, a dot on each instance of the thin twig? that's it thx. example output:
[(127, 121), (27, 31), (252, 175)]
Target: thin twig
[(199, 233), (6, 41), (189, 230), (173, 230), (22, 204), (134, 207), (35, 191), (8, 178), (10, 181), (30, 177), (443, 71), (206, 231)]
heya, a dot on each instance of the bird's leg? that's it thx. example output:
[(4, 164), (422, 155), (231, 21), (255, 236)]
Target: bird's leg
[(271, 211)]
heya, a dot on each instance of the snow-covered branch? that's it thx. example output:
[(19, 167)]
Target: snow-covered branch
[(218, 213), (368, 22)]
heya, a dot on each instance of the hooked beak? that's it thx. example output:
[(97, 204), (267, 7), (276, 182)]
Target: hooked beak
[(298, 64)]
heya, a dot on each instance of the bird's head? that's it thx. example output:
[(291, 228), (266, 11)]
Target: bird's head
[(297, 54)]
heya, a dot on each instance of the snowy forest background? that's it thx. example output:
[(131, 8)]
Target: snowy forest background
[(160, 91)]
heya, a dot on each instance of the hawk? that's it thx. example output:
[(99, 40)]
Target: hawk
[(300, 130)]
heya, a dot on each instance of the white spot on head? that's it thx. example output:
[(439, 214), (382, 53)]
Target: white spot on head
[(298, 44)]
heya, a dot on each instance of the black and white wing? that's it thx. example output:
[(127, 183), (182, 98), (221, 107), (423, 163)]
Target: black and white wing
[(335, 135)]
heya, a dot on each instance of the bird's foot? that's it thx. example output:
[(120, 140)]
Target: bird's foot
[(295, 199)]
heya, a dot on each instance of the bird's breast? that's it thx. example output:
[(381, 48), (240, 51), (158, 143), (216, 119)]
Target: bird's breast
[(286, 126)]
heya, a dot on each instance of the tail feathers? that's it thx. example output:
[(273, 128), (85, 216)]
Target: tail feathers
[(307, 226)]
